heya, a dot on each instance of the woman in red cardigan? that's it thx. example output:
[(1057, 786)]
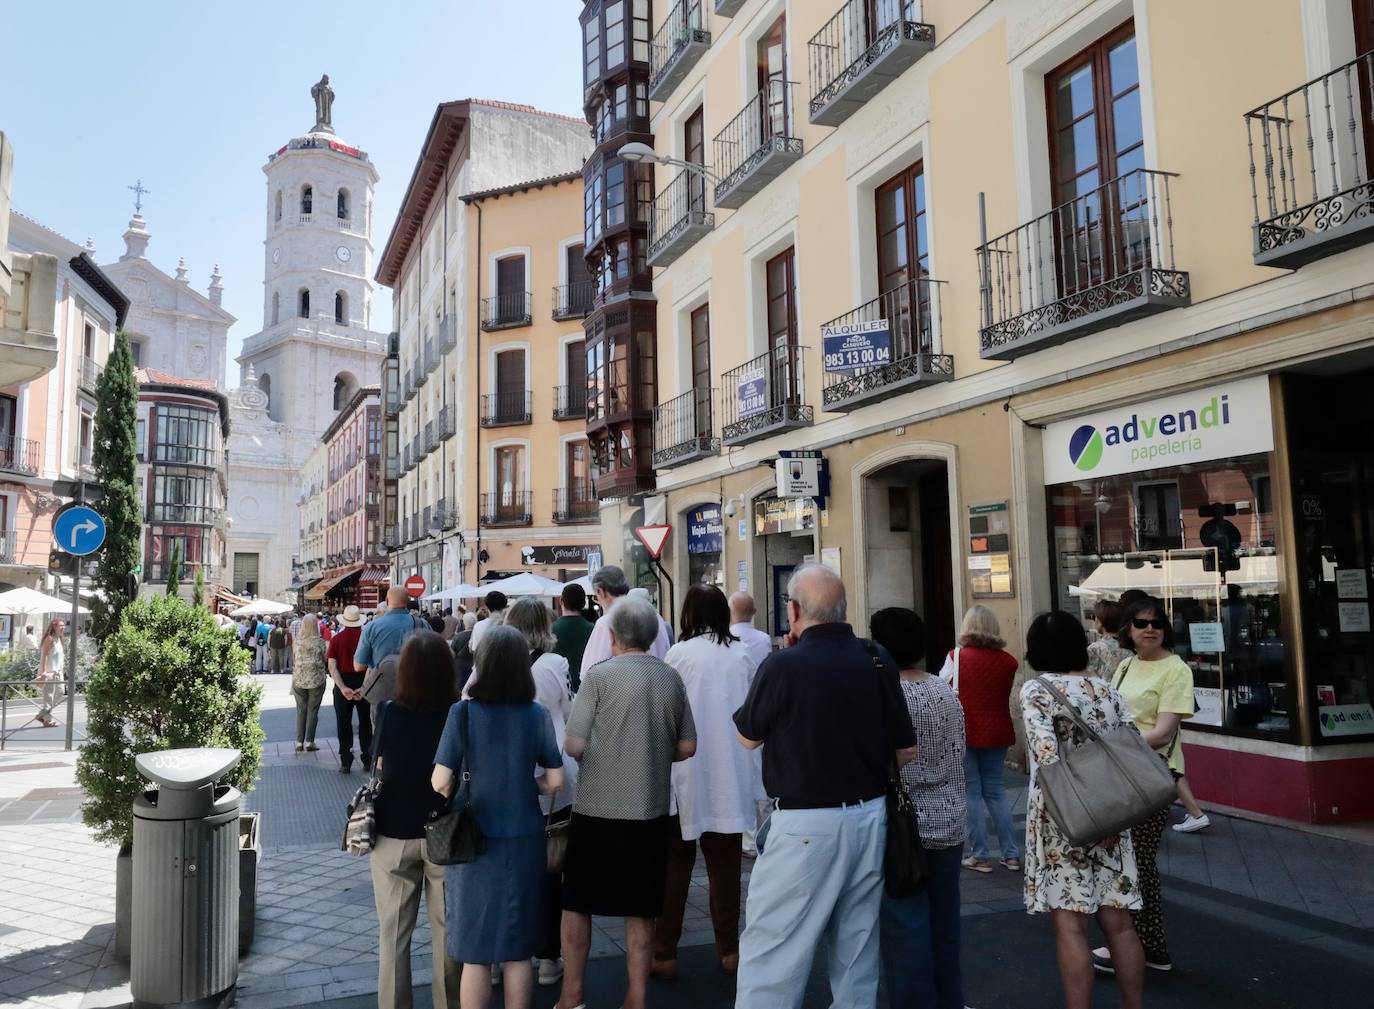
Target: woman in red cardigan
[(981, 672)]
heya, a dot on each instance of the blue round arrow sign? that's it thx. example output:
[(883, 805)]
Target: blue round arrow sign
[(79, 531)]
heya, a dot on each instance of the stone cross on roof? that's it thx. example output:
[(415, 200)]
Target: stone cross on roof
[(139, 192)]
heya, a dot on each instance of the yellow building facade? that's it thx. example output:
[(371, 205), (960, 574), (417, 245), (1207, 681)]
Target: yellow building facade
[(1062, 302)]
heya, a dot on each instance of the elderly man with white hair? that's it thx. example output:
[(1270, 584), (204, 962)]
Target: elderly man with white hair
[(630, 723), (830, 708), (609, 585)]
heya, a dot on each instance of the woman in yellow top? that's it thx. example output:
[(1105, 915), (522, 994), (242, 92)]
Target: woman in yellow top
[(1157, 687)]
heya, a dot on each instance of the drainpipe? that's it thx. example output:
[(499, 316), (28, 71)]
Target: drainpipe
[(477, 411)]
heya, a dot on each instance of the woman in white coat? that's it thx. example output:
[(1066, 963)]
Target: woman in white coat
[(530, 616), (713, 792)]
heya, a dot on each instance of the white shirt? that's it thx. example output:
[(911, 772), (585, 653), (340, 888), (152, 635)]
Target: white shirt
[(715, 790), (599, 644), (480, 628), (551, 690), (27, 640), (760, 645)]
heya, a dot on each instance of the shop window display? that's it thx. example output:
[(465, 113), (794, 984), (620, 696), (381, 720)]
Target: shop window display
[(1202, 538)]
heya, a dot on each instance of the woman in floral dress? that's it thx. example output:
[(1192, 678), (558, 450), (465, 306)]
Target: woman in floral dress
[(1073, 883)]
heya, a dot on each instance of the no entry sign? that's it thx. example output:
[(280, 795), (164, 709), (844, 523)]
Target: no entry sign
[(415, 586)]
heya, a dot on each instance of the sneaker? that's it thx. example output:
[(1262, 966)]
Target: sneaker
[(1011, 864), (1193, 823), (977, 864), (1159, 965), (550, 972), (1102, 960)]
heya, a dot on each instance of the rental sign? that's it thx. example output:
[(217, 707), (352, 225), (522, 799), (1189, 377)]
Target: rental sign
[(1218, 422)]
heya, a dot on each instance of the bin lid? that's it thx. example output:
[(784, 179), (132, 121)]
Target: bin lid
[(187, 769)]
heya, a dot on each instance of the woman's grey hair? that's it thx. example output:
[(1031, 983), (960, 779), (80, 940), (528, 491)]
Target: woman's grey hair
[(980, 629), (501, 648), (469, 621), (530, 616), (612, 579), (819, 592), (634, 622)]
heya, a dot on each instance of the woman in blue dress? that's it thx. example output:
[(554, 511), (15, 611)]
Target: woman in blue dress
[(494, 905)]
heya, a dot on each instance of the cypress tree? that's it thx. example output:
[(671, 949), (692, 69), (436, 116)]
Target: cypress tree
[(114, 459), (198, 588), (174, 570)]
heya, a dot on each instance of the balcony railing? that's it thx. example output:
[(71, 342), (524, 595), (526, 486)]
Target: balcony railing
[(676, 48), (683, 429), (506, 509), (85, 462), (447, 336), (446, 514), (1314, 148), (448, 423), (9, 546), (408, 387), (407, 463), (570, 401), (506, 311), (765, 396), (756, 146), (907, 320), (679, 218), (350, 506), (573, 301), (573, 505), (188, 514), (90, 375), (423, 365), (415, 448), (728, 8), (305, 218), (19, 455), (1097, 261), (502, 408), (391, 537), (866, 46), (427, 525), (431, 440)]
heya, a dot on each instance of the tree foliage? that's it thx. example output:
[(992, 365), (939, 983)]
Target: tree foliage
[(198, 588), (167, 678), (114, 457)]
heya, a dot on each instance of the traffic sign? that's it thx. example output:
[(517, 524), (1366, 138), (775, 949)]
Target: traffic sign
[(79, 530), (415, 586), (653, 538)]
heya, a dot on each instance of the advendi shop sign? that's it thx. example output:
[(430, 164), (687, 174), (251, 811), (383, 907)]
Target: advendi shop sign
[(1219, 422)]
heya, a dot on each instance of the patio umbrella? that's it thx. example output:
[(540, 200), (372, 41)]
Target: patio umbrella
[(262, 608), (30, 601), (526, 583), (463, 591)]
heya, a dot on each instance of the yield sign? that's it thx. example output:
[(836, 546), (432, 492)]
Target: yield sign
[(653, 538)]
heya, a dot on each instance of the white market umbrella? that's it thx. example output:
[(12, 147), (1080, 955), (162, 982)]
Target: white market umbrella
[(584, 583), (463, 591), (526, 583), (29, 601), (262, 608)]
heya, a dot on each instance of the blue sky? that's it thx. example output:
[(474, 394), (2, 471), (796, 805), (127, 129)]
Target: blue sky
[(192, 97)]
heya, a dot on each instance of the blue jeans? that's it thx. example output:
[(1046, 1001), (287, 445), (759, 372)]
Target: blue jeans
[(983, 769), (920, 939), (819, 875)]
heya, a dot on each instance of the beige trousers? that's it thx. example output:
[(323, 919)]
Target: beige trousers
[(398, 870)]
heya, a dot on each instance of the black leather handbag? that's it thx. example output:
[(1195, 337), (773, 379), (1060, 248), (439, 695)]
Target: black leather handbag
[(904, 861), (452, 836)]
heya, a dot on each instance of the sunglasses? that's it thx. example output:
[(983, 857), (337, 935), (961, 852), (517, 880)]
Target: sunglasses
[(1140, 623)]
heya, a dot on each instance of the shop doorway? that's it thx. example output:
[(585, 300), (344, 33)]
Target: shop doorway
[(784, 538), (907, 548)]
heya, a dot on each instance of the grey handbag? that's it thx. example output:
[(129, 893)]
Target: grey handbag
[(1111, 783)]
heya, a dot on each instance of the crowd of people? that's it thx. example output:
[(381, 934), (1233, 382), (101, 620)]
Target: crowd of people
[(646, 748)]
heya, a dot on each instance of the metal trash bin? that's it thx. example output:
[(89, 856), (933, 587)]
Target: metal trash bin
[(185, 915)]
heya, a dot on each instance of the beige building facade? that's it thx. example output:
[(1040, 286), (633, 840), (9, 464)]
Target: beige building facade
[(1061, 302)]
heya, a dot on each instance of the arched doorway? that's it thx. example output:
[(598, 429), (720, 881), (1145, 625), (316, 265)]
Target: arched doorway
[(907, 543)]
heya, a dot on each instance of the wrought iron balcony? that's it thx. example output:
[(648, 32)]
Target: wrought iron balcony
[(407, 463), (572, 505), (431, 439), (84, 462), (391, 537), (764, 397), (446, 514), (573, 301), (676, 48), (422, 364), (350, 506), (9, 546), (570, 401), (500, 409), (431, 354), (90, 375), (728, 8), (683, 430), (408, 388), (448, 423), (1097, 261), (19, 455), (866, 46), (679, 218), (909, 316), (506, 311), (506, 509), (415, 449), (427, 525), (756, 146), (447, 337), (182, 514), (1316, 158)]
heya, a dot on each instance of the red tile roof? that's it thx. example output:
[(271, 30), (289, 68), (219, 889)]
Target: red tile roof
[(151, 376)]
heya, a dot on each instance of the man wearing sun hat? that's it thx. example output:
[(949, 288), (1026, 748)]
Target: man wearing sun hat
[(348, 691)]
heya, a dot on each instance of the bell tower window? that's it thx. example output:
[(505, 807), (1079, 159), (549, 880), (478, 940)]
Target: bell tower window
[(340, 308), (278, 215), (307, 200), (304, 304), (343, 205), (276, 307)]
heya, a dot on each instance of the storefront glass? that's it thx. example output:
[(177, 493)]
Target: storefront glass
[(1203, 538)]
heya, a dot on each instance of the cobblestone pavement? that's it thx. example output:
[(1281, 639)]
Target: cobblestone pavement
[(1241, 883)]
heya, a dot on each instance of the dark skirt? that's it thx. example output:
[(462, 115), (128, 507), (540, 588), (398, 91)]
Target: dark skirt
[(615, 867), (494, 906)]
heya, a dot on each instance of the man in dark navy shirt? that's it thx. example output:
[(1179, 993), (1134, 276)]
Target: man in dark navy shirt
[(830, 708)]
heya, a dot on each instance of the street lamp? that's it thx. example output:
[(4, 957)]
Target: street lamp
[(637, 152)]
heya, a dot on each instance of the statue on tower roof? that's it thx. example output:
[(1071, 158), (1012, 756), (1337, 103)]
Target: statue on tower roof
[(324, 105)]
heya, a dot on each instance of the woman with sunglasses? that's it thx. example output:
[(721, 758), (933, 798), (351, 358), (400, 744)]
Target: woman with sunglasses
[(1157, 687)]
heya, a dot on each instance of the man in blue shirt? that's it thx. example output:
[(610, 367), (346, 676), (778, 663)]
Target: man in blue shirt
[(384, 635)]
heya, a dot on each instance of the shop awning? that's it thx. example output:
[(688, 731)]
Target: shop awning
[(1185, 576), (327, 585), (375, 574)]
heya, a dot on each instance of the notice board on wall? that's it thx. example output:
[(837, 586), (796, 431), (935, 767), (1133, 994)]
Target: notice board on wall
[(989, 551)]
